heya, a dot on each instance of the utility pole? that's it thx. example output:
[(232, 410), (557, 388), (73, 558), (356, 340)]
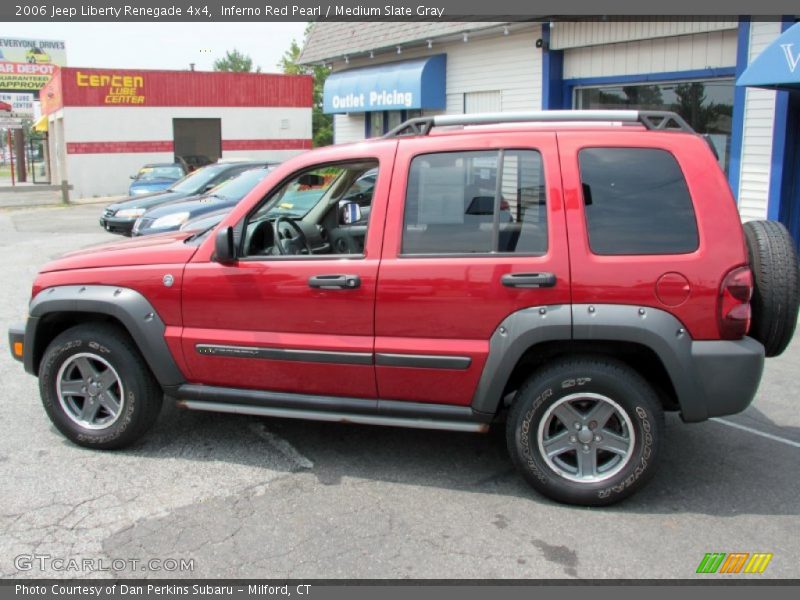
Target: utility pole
[(19, 150), (10, 155)]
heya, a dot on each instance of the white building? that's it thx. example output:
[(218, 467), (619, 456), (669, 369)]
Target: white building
[(103, 124), (689, 66)]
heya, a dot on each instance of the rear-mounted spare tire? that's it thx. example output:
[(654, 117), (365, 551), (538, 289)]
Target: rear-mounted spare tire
[(776, 295)]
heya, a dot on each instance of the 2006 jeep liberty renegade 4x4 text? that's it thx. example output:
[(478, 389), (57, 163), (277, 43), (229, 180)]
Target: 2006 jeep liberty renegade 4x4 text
[(571, 273)]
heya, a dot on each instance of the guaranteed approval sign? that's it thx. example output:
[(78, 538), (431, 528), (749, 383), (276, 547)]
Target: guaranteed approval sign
[(27, 64)]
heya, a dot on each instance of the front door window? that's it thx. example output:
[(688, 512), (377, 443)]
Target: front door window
[(320, 211)]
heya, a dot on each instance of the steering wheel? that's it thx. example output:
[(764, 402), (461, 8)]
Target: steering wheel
[(290, 244)]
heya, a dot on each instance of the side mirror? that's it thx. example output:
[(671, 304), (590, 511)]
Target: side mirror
[(224, 250), (349, 213)]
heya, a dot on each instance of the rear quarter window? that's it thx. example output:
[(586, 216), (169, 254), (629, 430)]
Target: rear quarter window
[(636, 201)]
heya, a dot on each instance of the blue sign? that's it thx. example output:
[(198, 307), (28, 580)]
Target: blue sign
[(778, 66), (407, 85)]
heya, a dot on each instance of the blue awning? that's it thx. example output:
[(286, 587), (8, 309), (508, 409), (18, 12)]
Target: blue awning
[(778, 66), (410, 84)]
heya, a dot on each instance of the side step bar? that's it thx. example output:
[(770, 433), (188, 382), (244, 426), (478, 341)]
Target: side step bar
[(342, 410)]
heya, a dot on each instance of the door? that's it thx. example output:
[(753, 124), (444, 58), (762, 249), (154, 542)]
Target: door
[(37, 160), (197, 141), (281, 319), (472, 236)]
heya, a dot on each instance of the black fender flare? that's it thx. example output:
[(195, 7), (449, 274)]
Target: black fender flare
[(710, 378), (127, 306)]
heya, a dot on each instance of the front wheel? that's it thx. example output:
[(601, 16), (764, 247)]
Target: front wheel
[(585, 431), (96, 388)]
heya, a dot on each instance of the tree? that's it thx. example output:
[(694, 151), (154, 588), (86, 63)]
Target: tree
[(321, 124), (236, 62), (644, 97), (704, 116)]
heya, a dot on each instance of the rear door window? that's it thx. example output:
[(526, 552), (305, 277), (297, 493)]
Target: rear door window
[(636, 202), (456, 204)]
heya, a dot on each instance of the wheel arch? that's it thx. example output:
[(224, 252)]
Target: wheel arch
[(56, 309), (651, 341), (638, 357)]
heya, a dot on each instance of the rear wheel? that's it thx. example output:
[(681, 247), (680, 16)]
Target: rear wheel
[(96, 388), (776, 296), (585, 431)]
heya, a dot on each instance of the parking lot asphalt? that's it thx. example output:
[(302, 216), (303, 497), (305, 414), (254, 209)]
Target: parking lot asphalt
[(238, 496)]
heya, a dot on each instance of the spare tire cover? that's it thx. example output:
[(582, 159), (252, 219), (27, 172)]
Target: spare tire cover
[(776, 296)]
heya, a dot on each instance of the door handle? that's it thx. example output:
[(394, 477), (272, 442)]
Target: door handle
[(334, 282), (528, 280)]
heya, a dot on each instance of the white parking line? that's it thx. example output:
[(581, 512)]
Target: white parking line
[(769, 436)]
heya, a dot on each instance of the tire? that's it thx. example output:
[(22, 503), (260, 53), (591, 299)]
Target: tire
[(776, 294), (98, 364), (571, 389)]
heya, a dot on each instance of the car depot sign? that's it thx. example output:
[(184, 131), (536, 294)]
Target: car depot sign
[(26, 65)]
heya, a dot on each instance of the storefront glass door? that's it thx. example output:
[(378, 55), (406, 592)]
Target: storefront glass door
[(38, 164)]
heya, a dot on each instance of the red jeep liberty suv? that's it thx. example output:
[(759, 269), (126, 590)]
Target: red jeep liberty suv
[(571, 273)]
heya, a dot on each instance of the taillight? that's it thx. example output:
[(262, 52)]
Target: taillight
[(733, 305)]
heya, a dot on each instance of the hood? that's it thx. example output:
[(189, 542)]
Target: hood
[(147, 200), (194, 205), (166, 248)]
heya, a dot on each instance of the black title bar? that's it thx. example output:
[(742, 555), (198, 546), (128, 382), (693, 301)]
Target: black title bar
[(372, 10)]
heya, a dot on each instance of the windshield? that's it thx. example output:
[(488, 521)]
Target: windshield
[(235, 189), (159, 172), (297, 197), (296, 204), (198, 179)]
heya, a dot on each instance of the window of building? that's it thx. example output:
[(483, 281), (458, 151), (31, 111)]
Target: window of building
[(381, 122), (707, 105), (375, 124), (456, 205), (636, 202), (480, 102)]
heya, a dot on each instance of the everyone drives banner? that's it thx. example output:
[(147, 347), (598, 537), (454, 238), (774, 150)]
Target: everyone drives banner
[(27, 64)]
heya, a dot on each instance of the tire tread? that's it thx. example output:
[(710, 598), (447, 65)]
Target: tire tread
[(776, 294)]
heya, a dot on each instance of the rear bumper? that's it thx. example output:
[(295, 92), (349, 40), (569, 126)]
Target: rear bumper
[(728, 374), (16, 336)]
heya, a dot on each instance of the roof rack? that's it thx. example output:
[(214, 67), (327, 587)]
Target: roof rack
[(659, 120)]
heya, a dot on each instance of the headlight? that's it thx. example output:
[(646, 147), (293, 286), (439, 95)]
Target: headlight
[(170, 221), (130, 213)]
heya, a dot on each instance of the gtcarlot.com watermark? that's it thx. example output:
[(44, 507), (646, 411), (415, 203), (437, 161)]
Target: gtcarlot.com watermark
[(48, 563)]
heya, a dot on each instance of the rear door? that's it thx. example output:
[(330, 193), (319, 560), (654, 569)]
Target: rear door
[(648, 223), (473, 224)]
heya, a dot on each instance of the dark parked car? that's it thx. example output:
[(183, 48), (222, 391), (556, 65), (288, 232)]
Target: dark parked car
[(170, 216), (120, 216), (206, 221), (155, 177)]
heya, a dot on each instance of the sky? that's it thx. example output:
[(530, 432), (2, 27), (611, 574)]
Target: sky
[(163, 45)]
